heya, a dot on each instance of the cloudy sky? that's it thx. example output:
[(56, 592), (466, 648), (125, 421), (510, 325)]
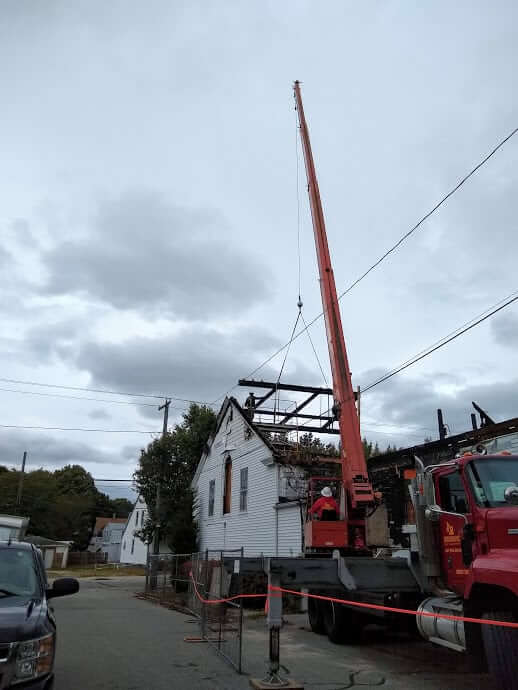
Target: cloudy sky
[(148, 188)]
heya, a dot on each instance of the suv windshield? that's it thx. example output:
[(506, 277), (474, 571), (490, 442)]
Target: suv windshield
[(491, 477), (18, 573)]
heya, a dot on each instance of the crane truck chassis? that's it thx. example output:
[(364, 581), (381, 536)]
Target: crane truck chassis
[(461, 563)]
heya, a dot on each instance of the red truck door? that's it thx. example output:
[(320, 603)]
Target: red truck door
[(452, 497)]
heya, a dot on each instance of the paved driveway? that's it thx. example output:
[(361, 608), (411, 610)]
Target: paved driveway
[(108, 640)]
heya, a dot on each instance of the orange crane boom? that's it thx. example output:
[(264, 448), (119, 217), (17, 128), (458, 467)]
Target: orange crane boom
[(354, 468)]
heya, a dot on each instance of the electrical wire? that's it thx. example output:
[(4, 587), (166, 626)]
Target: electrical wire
[(427, 215), (385, 255), (61, 428), (441, 343), (80, 397), (102, 481), (102, 390)]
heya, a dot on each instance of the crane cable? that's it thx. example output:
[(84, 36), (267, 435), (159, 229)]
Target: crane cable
[(300, 303)]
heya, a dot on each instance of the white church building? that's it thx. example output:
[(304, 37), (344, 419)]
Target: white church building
[(245, 496)]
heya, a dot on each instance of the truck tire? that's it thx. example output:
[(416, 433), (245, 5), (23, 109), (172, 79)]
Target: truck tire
[(315, 617), (501, 645), (341, 624)]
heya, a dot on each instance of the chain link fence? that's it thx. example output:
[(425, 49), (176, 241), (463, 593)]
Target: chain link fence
[(215, 576), (183, 581), (167, 579)]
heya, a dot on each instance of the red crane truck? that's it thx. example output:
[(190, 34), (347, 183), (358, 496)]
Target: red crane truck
[(463, 559)]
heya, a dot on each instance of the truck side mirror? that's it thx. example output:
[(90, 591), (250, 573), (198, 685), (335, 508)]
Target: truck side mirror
[(511, 495), (433, 513)]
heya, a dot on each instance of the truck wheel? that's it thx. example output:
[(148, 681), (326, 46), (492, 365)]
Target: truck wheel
[(341, 624), (501, 645), (315, 617)]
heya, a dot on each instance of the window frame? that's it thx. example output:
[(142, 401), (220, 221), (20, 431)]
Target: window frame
[(451, 508), (243, 490), (212, 497), (227, 486)]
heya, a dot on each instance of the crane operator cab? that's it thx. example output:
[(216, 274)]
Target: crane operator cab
[(326, 527), (325, 507)]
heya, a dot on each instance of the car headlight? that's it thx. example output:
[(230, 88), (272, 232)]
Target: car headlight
[(34, 657)]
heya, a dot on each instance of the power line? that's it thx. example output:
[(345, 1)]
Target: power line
[(441, 343), (102, 481), (60, 428), (385, 255), (427, 215), (102, 390), (80, 397)]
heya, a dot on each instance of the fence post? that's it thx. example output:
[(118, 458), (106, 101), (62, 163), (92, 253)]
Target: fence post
[(205, 587), (239, 588)]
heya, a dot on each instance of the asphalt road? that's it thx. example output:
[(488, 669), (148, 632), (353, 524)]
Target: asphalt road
[(109, 640)]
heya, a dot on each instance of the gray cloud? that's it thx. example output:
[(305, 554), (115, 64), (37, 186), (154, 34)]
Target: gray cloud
[(199, 363), (505, 330), (53, 338), (50, 452), (413, 401), (99, 413), (142, 253)]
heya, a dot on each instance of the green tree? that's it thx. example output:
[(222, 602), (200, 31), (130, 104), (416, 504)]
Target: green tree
[(317, 447), (121, 507), (61, 504), (74, 479), (174, 458)]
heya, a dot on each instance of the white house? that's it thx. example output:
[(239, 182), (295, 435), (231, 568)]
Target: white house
[(112, 541), (133, 549), (246, 497), (55, 553), (97, 539)]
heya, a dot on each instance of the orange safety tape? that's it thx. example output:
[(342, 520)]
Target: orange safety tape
[(359, 604), (393, 609)]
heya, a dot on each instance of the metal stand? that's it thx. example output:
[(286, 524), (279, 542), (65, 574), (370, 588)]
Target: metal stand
[(274, 620)]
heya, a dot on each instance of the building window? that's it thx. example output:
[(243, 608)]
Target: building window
[(124, 545), (243, 489), (227, 486), (212, 492), (133, 545), (453, 495)]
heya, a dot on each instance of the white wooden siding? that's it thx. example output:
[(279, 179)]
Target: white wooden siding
[(253, 529), (289, 531), (140, 549)]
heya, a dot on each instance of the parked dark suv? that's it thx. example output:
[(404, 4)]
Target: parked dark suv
[(27, 623)]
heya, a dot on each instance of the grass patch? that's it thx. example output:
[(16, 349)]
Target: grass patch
[(104, 571)]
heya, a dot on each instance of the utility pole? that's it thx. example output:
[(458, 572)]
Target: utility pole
[(20, 483), (156, 536)]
